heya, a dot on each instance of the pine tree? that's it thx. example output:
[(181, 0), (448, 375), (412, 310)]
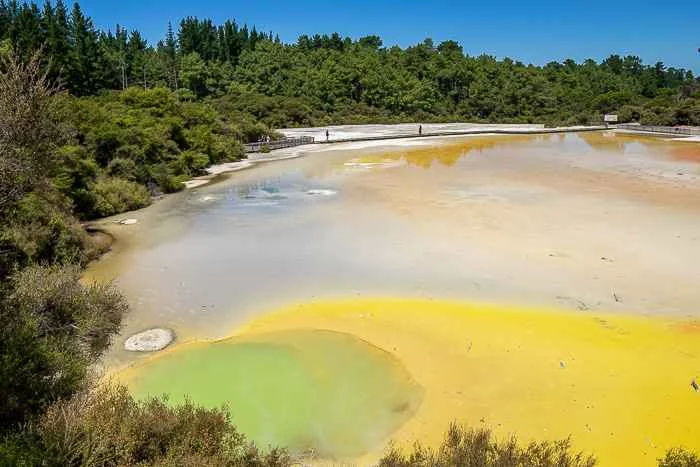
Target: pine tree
[(170, 43), (253, 38), (210, 36), (10, 11), (84, 56), (136, 56), (57, 39), (47, 18), (171, 56), (232, 43), (244, 36), (5, 20), (29, 35)]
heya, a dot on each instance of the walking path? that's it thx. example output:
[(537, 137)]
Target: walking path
[(353, 133)]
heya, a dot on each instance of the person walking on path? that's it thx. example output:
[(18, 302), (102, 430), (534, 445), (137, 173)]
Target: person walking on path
[(327, 135), (420, 130)]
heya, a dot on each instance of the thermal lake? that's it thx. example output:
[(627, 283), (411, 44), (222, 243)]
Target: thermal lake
[(544, 286)]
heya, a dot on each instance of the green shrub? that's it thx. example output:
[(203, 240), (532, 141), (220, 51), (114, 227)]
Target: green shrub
[(108, 427), (265, 149), (52, 329), (225, 149), (123, 168), (115, 195), (194, 162), (466, 447), (41, 229), (166, 179)]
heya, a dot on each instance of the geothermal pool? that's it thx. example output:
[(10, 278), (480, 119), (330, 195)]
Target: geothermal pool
[(349, 292), (321, 392)]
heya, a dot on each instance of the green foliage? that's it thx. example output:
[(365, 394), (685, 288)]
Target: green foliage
[(116, 195), (464, 447), (107, 427), (148, 137), (124, 167), (51, 330), (5, 48), (42, 229), (678, 457), (29, 128)]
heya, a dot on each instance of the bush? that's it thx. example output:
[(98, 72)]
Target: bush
[(146, 136), (478, 448), (165, 179), (108, 427), (678, 457), (51, 330), (41, 230), (193, 162), (115, 195), (123, 168)]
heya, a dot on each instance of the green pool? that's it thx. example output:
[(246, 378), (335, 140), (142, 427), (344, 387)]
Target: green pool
[(309, 390)]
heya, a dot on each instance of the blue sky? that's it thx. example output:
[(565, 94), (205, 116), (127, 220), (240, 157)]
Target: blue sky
[(532, 31)]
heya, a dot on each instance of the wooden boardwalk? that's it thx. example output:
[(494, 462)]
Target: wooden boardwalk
[(277, 144)]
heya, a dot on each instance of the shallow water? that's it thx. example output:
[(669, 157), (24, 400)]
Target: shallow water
[(587, 222), (317, 392)]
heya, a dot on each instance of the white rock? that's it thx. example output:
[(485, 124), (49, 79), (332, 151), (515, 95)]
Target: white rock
[(320, 192), (151, 340), (128, 221)]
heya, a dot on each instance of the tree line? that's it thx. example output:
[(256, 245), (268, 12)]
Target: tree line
[(87, 60), (329, 78)]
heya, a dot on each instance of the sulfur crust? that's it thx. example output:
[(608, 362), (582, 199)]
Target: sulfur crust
[(618, 385)]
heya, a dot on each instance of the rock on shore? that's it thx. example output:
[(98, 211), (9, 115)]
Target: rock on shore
[(151, 340)]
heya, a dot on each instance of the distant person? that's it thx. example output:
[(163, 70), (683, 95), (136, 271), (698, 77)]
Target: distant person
[(420, 130), (327, 135)]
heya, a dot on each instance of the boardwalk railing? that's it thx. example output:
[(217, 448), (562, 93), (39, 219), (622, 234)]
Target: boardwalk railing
[(673, 130), (278, 144)]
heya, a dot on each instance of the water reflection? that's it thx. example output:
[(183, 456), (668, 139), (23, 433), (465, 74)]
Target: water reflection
[(446, 154)]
